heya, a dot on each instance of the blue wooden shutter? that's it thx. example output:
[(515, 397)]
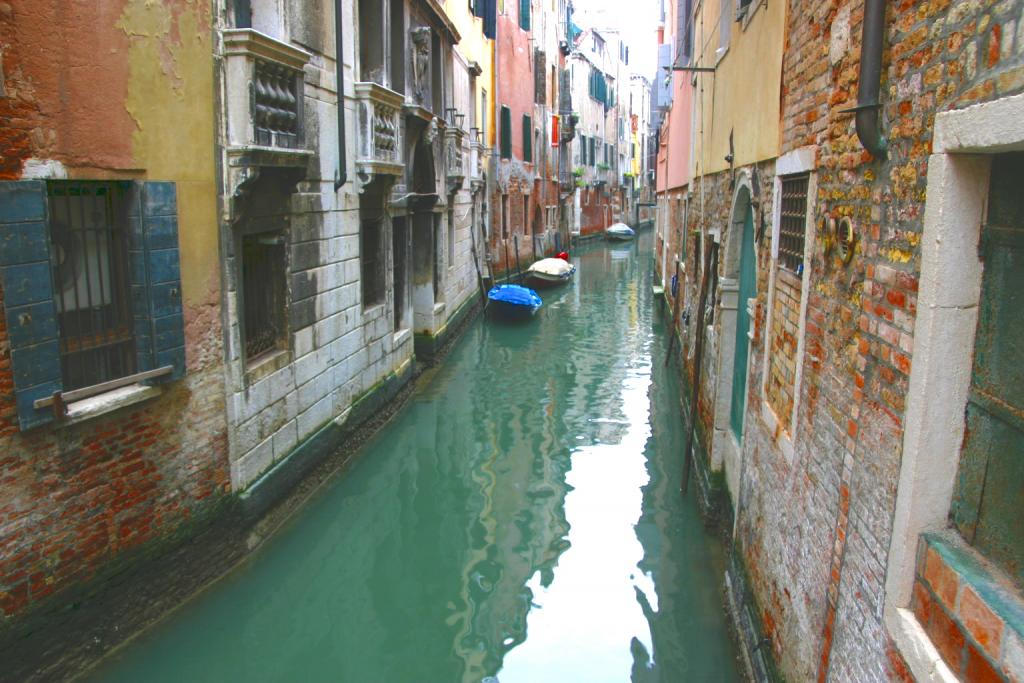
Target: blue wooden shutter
[(524, 14), (490, 18), (156, 278), (31, 313)]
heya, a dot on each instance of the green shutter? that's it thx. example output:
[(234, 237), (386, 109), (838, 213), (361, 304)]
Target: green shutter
[(748, 289), (527, 138), (31, 313), (159, 322), (524, 14), (506, 133), (986, 500)]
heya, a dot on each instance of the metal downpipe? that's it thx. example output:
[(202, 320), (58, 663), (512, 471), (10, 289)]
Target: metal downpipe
[(869, 107), (339, 62)]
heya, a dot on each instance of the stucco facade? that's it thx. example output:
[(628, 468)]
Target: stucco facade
[(111, 101)]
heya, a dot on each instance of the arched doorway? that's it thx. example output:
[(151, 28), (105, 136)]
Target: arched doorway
[(737, 285), (743, 242)]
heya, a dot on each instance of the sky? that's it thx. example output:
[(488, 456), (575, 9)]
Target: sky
[(636, 21)]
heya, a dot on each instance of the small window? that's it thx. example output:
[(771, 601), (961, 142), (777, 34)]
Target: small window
[(483, 116), (371, 249), (724, 27), (371, 47), (89, 258), (526, 214), (264, 292), (794, 222)]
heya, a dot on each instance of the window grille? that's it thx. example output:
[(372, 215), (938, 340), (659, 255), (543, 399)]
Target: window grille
[(263, 294), (89, 262), (794, 222)]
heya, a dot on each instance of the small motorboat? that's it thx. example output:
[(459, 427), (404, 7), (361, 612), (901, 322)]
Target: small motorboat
[(513, 302), (549, 272), (619, 232)]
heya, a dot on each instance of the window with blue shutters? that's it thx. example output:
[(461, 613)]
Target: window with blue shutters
[(92, 292), (506, 133), (527, 138), (524, 14)]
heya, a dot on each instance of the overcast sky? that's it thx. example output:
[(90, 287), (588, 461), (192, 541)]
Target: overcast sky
[(636, 20)]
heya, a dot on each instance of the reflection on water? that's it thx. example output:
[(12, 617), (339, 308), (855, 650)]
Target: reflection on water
[(520, 521)]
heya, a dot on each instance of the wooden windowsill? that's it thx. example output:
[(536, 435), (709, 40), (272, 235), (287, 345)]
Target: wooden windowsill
[(108, 402)]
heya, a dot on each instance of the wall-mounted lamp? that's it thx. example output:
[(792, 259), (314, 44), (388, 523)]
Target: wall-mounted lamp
[(459, 120)]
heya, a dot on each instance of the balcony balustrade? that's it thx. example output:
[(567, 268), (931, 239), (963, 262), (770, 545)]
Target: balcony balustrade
[(379, 131)]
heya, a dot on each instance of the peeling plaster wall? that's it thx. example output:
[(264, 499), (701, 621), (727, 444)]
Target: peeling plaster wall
[(101, 90)]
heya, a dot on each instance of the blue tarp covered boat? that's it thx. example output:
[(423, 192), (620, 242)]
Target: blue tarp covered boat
[(513, 302)]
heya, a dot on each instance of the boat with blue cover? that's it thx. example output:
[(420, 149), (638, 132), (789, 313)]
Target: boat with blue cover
[(619, 232), (513, 302)]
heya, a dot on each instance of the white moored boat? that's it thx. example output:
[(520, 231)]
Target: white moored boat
[(620, 232), (550, 271)]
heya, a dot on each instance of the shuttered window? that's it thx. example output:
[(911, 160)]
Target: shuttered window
[(987, 497), (105, 284), (540, 85), (527, 138), (506, 133), (524, 14)]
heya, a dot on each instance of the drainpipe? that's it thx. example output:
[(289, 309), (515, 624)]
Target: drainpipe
[(339, 62), (869, 108)]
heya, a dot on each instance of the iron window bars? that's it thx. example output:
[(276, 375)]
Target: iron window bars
[(794, 222)]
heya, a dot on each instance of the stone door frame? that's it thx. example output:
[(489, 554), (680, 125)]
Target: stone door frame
[(944, 331)]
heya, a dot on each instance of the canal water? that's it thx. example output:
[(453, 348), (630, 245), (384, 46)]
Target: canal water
[(519, 521)]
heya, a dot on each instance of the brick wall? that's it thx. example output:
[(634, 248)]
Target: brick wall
[(814, 529), (783, 345), (968, 615), (76, 499)]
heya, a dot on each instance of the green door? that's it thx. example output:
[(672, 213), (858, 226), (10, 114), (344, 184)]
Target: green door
[(986, 504), (739, 366)]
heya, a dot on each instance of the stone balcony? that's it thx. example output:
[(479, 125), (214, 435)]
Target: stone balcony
[(378, 131), (454, 157), (477, 155), (264, 88)]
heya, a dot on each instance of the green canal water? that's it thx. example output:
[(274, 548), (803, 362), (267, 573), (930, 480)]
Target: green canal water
[(519, 521)]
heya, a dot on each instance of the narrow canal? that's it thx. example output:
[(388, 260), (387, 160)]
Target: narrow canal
[(519, 521)]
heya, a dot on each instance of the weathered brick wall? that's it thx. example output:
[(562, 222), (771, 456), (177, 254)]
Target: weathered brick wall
[(597, 211), (814, 531), (74, 499), (782, 357)]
